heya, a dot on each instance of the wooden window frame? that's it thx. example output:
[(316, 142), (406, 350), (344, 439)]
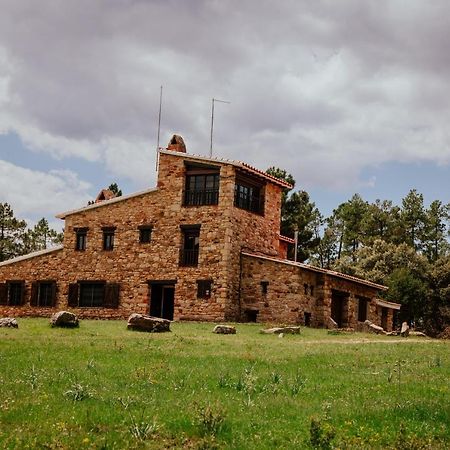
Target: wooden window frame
[(38, 291), (5, 293), (80, 239), (110, 296), (108, 238), (189, 256)]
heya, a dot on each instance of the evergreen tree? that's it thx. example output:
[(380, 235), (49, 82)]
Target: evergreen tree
[(435, 230), (42, 236), (11, 233), (113, 187), (413, 219)]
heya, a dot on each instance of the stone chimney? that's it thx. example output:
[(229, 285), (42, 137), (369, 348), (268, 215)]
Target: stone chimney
[(177, 144)]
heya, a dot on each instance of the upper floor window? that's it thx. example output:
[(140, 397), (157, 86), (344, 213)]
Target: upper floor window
[(204, 288), (202, 186), (190, 245), (12, 293), (43, 293), (248, 195), (145, 234), (108, 238), (80, 239)]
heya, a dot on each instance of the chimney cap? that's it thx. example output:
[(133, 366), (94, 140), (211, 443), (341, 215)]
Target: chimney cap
[(177, 144)]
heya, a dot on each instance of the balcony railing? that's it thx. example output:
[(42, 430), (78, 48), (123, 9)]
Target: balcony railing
[(189, 257), (249, 202), (201, 197)]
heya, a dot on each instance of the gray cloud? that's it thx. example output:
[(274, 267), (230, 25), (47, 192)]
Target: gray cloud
[(316, 87)]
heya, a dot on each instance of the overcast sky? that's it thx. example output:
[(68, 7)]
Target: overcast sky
[(349, 96)]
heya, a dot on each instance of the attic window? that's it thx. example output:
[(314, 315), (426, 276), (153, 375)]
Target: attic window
[(202, 185)]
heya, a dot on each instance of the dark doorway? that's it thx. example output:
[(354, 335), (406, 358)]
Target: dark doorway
[(162, 300), (307, 319), (339, 305), (384, 318)]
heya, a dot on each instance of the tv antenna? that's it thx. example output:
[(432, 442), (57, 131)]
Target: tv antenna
[(212, 122), (159, 127)]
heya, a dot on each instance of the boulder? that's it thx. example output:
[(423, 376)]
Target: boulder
[(8, 322), (64, 319), (143, 322), (417, 334), (224, 329), (281, 330), (372, 328), (405, 330)]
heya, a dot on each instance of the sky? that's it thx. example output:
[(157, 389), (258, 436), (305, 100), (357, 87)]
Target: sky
[(350, 96)]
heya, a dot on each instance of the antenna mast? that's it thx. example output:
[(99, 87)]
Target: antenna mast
[(159, 126), (212, 123)]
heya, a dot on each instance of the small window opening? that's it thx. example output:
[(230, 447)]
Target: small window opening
[(80, 239), (108, 238), (311, 290), (204, 288), (305, 288), (307, 319), (145, 234), (264, 286), (251, 315)]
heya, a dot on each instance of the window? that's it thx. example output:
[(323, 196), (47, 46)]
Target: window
[(248, 195), (204, 288), (305, 289), (145, 234), (311, 290), (43, 294), (202, 189), (362, 309), (307, 319), (12, 293), (80, 239), (92, 294), (108, 238), (191, 245), (264, 286)]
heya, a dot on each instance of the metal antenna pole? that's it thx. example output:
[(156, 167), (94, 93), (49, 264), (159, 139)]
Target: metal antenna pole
[(159, 126), (212, 123)]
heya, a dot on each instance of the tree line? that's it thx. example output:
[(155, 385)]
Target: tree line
[(17, 239), (404, 247)]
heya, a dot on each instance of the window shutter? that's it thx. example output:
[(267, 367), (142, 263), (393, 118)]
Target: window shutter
[(111, 295), (22, 293), (73, 295), (3, 294), (34, 293), (53, 303)]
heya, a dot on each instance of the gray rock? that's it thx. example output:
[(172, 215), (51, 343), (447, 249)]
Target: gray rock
[(143, 322), (224, 329), (8, 322), (281, 330), (417, 334), (372, 328), (64, 319), (405, 330)]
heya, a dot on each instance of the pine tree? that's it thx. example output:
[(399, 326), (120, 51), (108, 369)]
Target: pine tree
[(11, 233)]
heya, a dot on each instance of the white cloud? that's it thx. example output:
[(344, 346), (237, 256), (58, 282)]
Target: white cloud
[(322, 89), (32, 193)]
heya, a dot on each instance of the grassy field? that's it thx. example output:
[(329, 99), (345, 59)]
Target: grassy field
[(101, 386)]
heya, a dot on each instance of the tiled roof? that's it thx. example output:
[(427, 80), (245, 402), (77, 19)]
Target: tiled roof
[(318, 269), (286, 239), (240, 164)]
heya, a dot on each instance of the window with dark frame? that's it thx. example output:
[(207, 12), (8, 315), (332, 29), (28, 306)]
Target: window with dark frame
[(204, 288), (202, 187), (145, 234), (43, 294), (91, 294), (362, 309), (80, 239), (15, 291), (108, 238), (264, 286), (305, 289), (248, 195), (190, 245)]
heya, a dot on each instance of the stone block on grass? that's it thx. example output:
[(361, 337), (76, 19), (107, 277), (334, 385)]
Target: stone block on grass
[(224, 329), (150, 324), (64, 319), (8, 322), (281, 330)]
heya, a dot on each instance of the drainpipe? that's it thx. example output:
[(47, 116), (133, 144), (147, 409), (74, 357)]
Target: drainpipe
[(295, 243)]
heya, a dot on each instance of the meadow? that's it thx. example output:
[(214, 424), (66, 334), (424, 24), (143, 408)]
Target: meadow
[(104, 387)]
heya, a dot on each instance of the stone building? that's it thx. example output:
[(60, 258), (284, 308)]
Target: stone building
[(204, 244)]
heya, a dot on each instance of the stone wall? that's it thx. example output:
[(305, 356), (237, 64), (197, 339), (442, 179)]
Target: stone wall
[(293, 290)]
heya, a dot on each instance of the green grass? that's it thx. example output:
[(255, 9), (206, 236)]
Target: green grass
[(101, 386)]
